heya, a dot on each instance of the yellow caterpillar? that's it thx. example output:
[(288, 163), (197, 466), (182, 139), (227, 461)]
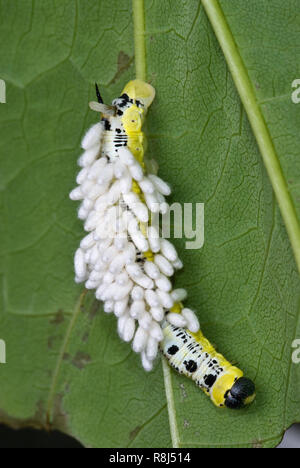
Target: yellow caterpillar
[(128, 263), (192, 354)]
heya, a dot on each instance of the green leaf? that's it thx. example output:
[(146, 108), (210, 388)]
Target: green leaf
[(66, 367)]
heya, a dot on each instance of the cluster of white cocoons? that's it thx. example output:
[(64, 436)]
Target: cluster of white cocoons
[(110, 257)]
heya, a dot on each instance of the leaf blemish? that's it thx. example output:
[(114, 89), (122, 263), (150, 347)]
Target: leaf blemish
[(186, 424), (134, 432), (60, 417), (85, 337), (66, 356), (37, 421), (81, 359), (58, 318), (183, 391), (256, 443), (95, 309), (123, 63), (50, 342)]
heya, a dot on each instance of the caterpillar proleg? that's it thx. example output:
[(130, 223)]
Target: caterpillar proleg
[(127, 263)]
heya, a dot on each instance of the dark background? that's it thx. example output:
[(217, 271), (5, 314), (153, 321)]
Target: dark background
[(33, 438)]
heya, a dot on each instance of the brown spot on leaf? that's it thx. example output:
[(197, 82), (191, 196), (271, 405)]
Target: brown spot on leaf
[(40, 419), (50, 342), (58, 318), (60, 417), (123, 63), (85, 337), (123, 60), (256, 443), (81, 359), (95, 309), (134, 432), (37, 421), (66, 356)]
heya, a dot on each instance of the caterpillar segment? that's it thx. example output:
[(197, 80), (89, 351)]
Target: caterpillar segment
[(124, 259)]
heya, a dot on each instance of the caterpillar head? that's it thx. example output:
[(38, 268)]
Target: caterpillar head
[(233, 390), (136, 93), (241, 393), (131, 107)]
